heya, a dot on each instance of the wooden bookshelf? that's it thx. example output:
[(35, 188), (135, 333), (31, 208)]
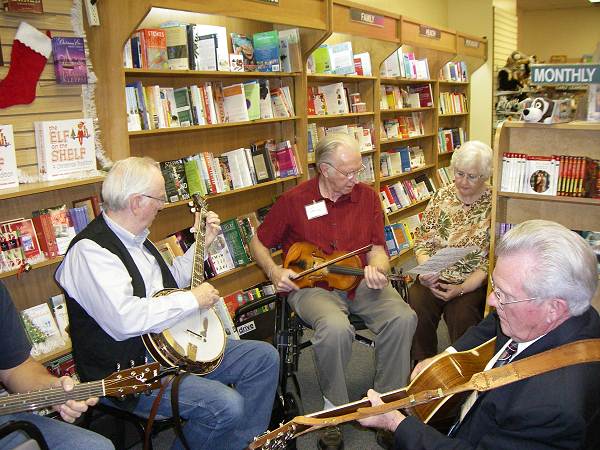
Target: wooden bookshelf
[(573, 139)]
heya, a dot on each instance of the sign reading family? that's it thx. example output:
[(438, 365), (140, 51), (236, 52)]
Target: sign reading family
[(358, 15), (565, 73)]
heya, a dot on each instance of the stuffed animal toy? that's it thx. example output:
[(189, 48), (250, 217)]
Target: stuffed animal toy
[(540, 110)]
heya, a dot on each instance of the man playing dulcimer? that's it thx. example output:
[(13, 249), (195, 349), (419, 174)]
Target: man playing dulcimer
[(335, 212)]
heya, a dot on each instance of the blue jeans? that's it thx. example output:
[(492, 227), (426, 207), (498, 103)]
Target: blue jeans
[(218, 416), (59, 435)]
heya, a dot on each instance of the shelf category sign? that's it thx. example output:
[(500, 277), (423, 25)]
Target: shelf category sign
[(365, 17), (565, 73)]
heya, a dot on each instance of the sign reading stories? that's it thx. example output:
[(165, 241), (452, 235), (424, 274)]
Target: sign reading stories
[(565, 73)]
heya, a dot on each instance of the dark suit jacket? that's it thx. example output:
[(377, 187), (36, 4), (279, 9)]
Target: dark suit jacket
[(555, 410)]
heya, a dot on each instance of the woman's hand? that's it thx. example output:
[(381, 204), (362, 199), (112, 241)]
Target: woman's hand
[(429, 280), (447, 292)]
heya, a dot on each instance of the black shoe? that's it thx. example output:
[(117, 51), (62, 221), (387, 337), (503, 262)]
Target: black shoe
[(385, 439), (331, 439)]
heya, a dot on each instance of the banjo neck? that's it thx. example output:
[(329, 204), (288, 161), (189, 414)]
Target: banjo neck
[(199, 234)]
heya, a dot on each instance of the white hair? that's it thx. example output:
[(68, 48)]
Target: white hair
[(565, 265), (127, 177), (327, 146), (474, 154)]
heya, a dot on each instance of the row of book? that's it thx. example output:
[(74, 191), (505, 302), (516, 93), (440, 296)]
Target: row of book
[(399, 97), (399, 236), (361, 132), (152, 107), (454, 71), (205, 173), (339, 59), (591, 237), (332, 99), (563, 175), (44, 236), (180, 46), (404, 193), (401, 160), (446, 175), (403, 127), (241, 297), (449, 139), (404, 64), (453, 103)]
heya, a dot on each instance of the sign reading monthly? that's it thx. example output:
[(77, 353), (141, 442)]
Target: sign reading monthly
[(565, 73), (358, 15)]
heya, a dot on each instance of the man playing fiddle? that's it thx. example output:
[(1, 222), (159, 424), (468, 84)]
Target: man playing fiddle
[(335, 212)]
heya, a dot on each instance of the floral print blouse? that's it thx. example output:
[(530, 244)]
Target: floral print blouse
[(447, 222)]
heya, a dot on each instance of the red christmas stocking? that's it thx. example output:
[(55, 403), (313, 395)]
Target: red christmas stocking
[(30, 51)]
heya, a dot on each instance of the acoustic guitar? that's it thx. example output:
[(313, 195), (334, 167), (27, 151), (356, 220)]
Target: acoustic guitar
[(195, 344), (119, 384), (445, 372)]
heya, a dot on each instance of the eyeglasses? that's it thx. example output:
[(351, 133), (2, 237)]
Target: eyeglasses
[(501, 296), (158, 199), (352, 174), (470, 177)]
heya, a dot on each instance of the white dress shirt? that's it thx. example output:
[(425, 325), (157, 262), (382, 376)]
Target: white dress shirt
[(98, 280)]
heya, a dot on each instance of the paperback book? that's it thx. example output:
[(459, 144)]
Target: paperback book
[(69, 60), (9, 176), (42, 330)]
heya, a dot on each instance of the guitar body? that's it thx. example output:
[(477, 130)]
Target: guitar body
[(446, 372), (196, 344)]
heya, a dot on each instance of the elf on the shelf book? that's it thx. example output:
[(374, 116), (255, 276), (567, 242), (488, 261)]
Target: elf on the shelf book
[(65, 148)]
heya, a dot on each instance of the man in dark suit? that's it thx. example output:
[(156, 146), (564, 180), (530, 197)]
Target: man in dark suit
[(542, 286)]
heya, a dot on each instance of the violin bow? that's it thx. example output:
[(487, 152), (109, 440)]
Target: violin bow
[(364, 249)]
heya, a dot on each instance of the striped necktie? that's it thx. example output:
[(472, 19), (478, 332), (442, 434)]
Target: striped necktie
[(507, 354)]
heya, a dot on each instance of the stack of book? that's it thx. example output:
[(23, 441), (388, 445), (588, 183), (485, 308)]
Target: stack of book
[(401, 160), (454, 71), (339, 59), (453, 103), (446, 175), (400, 97), (406, 192), (449, 139), (562, 175), (153, 107), (206, 173), (399, 236), (403, 127), (403, 64), (363, 133), (179, 46)]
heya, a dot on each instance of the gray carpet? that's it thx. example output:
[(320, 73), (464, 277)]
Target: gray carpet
[(359, 378)]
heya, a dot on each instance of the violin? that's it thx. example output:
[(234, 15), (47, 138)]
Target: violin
[(316, 267)]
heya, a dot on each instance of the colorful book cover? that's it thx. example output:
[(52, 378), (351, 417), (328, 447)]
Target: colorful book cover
[(177, 47), (29, 240), (252, 93), (69, 60), (155, 44), (233, 238), (242, 45), (41, 330), (65, 148), (266, 51), (9, 176), (175, 181)]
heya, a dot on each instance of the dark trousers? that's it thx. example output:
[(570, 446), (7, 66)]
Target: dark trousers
[(459, 314)]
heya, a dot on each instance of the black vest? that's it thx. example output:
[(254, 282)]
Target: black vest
[(96, 353)]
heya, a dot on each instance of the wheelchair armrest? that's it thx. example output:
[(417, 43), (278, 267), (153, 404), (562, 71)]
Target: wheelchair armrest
[(28, 428), (255, 304)]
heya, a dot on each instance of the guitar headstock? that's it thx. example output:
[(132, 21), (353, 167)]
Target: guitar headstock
[(198, 204), (276, 439), (133, 381)]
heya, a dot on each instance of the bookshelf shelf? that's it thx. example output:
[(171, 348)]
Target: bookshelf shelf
[(232, 272), (420, 203), (398, 80), (47, 262), (406, 110), (132, 73), (453, 114), (406, 174), (340, 116), (47, 186), (400, 140), (453, 83), (208, 127), (333, 77), (550, 198)]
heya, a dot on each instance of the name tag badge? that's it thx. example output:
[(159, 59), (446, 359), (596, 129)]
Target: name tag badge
[(316, 209)]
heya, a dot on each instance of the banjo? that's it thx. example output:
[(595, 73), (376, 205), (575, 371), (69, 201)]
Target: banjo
[(196, 343)]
